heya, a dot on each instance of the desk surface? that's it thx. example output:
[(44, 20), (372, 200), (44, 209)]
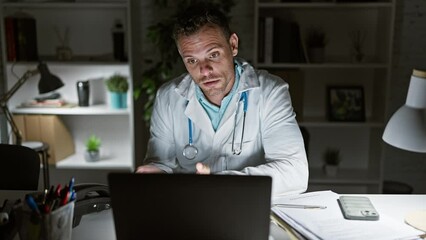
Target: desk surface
[(101, 225)]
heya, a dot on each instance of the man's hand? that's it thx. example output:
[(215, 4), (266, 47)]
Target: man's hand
[(202, 169), (149, 169)]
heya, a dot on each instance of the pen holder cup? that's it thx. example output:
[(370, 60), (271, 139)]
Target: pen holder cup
[(53, 226)]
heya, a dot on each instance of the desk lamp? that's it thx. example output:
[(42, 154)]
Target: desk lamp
[(406, 130), (47, 83)]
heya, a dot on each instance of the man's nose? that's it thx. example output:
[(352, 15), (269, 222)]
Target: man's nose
[(205, 68)]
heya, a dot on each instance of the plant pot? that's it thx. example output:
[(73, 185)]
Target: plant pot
[(118, 100), (92, 156), (331, 170)]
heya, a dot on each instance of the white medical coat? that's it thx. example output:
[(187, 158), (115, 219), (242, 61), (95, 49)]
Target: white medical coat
[(272, 144)]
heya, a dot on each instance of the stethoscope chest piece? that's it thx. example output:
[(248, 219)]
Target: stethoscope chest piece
[(190, 151)]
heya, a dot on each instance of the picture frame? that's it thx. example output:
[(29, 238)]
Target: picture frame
[(345, 103)]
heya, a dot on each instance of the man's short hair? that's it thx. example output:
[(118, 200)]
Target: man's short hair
[(196, 16)]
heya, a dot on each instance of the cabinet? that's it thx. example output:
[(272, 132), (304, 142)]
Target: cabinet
[(359, 142), (87, 27)]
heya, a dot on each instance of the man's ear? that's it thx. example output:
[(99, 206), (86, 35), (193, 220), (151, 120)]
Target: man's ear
[(233, 42)]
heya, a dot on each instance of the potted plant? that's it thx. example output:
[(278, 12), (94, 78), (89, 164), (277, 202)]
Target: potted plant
[(118, 86), (92, 148), (316, 41), (331, 159)]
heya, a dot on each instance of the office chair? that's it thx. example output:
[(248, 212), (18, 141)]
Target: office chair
[(19, 168)]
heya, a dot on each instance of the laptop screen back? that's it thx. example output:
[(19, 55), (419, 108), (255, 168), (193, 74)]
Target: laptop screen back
[(190, 206)]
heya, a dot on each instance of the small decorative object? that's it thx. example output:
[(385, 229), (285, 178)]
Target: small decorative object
[(63, 51), (331, 159), (118, 41), (118, 86), (83, 92), (357, 49), (346, 103), (315, 42), (92, 148)]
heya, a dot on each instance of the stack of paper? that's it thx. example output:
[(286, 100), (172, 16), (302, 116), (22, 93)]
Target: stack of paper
[(329, 223)]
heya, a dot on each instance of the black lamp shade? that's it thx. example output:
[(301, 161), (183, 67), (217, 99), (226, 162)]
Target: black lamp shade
[(48, 82)]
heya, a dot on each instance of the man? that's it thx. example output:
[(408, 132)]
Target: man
[(223, 117)]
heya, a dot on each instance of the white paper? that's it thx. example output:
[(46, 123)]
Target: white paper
[(329, 223)]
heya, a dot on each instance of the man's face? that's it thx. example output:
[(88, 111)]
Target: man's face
[(208, 57)]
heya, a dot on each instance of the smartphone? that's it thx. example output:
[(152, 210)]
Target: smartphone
[(358, 208)]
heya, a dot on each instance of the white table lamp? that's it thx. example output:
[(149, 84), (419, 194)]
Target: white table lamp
[(406, 130)]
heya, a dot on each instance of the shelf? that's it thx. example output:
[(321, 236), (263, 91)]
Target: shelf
[(77, 161), (67, 5), (324, 65), (321, 122), (92, 110), (344, 176), (359, 142), (325, 5)]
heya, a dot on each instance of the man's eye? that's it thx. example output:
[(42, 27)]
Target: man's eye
[(214, 55), (191, 61)]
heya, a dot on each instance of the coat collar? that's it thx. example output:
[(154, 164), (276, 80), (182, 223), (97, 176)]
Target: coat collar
[(194, 110)]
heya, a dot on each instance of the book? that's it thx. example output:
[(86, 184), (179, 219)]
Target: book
[(261, 40), (9, 27), (21, 37), (287, 42), (269, 39), (48, 103)]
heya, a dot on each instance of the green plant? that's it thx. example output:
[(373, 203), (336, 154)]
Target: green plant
[(316, 37), (162, 69), (117, 83), (93, 143), (331, 156)]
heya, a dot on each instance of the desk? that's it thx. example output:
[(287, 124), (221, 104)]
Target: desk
[(101, 225)]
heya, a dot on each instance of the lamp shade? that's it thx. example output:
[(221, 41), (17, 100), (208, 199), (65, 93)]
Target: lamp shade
[(406, 128), (48, 82)]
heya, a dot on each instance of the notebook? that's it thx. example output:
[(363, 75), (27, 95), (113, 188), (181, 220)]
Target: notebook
[(190, 206)]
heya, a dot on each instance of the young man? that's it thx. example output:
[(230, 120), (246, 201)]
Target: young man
[(223, 116)]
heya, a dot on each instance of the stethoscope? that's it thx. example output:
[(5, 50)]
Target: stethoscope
[(190, 151)]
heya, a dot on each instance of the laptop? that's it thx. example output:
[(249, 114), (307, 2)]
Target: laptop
[(190, 206)]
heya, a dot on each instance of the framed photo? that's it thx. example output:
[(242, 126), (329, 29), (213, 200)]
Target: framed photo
[(346, 103)]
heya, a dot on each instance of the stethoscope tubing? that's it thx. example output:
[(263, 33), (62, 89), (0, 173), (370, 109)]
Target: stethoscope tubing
[(190, 146)]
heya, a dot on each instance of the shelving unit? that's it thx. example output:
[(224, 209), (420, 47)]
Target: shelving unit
[(90, 37), (359, 143)]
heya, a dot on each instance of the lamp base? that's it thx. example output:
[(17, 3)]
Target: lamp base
[(417, 220)]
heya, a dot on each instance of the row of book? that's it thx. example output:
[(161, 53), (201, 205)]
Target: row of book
[(280, 41), (21, 37)]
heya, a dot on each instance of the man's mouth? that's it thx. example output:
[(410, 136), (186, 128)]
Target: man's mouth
[(210, 82)]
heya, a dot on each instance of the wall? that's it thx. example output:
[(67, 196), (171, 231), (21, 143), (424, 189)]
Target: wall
[(409, 52)]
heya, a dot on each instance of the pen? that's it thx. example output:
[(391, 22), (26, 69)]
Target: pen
[(71, 185), (301, 206), (32, 204)]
